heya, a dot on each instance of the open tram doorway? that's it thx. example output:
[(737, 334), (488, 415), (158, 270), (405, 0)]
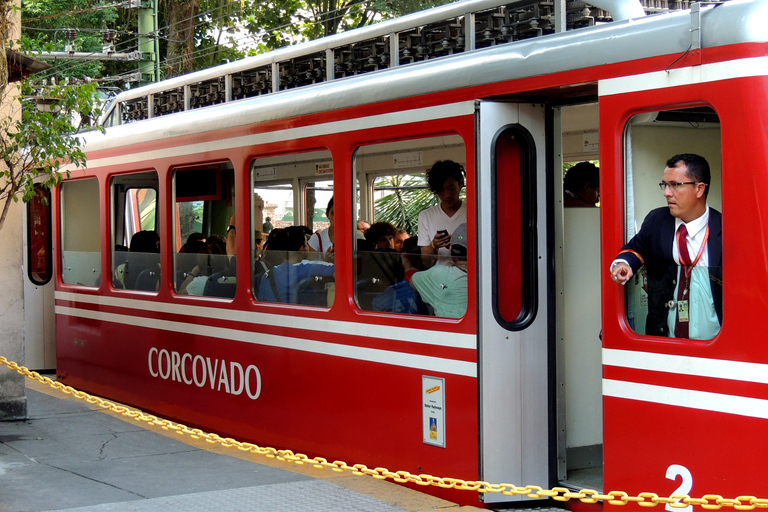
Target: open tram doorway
[(578, 297), (542, 358)]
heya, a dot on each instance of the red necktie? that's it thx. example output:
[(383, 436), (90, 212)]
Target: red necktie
[(681, 328)]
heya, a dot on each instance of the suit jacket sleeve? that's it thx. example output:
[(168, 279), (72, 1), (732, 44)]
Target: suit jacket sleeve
[(653, 243)]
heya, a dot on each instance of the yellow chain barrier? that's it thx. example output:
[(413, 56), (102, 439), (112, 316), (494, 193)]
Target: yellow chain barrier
[(644, 499)]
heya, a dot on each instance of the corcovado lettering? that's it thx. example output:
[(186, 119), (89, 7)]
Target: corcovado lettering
[(198, 370)]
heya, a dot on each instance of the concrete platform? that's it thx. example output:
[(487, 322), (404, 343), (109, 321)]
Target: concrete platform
[(73, 456)]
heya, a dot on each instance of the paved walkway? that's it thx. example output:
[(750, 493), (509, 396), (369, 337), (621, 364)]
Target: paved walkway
[(73, 456)]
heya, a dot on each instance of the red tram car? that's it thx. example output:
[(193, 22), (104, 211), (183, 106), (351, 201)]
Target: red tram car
[(520, 388)]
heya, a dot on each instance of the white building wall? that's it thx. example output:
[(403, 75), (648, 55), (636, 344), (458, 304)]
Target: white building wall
[(12, 397), (13, 401)]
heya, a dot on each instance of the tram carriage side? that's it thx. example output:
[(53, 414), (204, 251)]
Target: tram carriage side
[(525, 391)]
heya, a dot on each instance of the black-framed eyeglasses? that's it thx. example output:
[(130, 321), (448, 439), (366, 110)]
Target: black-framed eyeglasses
[(675, 185)]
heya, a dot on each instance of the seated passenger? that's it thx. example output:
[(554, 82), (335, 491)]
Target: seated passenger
[(279, 283), (401, 236), (186, 259), (322, 241), (581, 186), (143, 255), (401, 297), (444, 287), (219, 241), (258, 241), (362, 227), (210, 260), (411, 258), (381, 235), (194, 239), (268, 257), (378, 264)]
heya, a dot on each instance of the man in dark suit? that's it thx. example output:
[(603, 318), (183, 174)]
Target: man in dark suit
[(681, 247)]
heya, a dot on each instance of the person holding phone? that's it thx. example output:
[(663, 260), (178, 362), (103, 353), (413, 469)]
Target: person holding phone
[(436, 224)]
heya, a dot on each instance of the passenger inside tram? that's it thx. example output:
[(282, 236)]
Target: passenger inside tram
[(266, 259), (401, 297), (402, 236), (444, 287), (681, 247), (258, 240), (143, 258), (210, 260), (322, 241), (381, 235), (581, 186), (378, 264), (411, 258), (362, 226), (436, 224), (288, 281)]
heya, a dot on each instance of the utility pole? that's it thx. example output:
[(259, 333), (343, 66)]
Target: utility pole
[(149, 43)]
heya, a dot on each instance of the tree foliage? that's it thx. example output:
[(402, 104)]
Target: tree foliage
[(36, 142)]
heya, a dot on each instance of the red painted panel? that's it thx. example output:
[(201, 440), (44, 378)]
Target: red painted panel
[(338, 408), (721, 451), (643, 439)]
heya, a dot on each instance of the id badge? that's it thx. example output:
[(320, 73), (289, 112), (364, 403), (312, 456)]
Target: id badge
[(682, 311)]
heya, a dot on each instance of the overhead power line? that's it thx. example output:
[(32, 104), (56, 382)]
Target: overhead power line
[(246, 39)]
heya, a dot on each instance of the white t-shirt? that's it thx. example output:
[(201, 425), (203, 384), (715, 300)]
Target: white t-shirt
[(197, 285), (325, 241), (434, 219)]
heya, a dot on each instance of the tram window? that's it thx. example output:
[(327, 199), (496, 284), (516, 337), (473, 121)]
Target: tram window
[(115, 116), (394, 191), (514, 254), (80, 233), (296, 263), (204, 244), (135, 235), (655, 302), (39, 248)]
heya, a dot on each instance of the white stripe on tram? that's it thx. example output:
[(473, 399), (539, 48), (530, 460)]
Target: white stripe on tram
[(425, 363), (335, 127), (741, 68), (423, 336), (685, 365), (703, 400)]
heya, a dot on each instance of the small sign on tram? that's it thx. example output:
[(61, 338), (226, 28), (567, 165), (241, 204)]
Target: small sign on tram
[(433, 401)]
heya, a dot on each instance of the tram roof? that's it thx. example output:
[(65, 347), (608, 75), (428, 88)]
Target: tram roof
[(733, 22)]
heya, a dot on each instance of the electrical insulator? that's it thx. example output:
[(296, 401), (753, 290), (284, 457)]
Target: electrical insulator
[(70, 33)]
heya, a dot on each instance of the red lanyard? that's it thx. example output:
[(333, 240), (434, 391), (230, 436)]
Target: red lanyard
[(688, 269)]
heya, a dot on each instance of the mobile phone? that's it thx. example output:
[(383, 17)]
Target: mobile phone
[(443, 232)]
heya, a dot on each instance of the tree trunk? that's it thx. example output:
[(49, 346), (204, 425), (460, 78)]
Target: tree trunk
[(182, 16), (6, 21)]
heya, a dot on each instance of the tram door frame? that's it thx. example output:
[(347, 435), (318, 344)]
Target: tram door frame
[(515, 367)]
